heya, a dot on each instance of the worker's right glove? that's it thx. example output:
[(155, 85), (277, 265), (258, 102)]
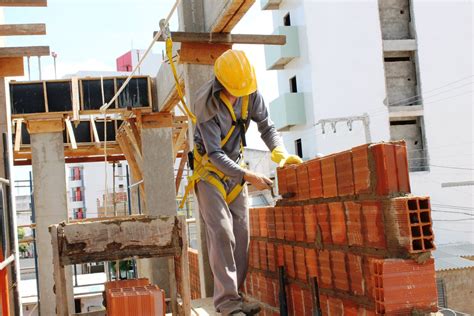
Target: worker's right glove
[(282, 157)]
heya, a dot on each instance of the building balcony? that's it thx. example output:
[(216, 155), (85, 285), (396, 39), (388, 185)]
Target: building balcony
[(270, 4), (399, 45), (277, 56), (75, 183), (288, 110), (77, 204)]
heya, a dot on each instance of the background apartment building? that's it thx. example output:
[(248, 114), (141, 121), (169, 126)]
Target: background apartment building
[(357, 71)]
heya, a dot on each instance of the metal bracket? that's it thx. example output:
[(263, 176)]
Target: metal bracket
[(165, 29)]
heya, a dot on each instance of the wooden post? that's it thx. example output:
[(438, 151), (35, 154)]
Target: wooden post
[(173, 286), (59, 275), (185, 283)]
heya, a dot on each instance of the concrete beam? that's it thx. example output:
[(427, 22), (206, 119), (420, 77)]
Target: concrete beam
[(50, 196)]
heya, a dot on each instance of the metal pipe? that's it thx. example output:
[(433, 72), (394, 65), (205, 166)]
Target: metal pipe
[(5, 181), (33, 219), (11, 222), (129, 194), (135, 184), (7, 261)]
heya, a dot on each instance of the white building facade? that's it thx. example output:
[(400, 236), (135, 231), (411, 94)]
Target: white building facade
[(368, 70)]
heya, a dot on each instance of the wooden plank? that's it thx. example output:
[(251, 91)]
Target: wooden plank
[(24, 51), (226, 15), (226, 38), (201, 53), (135, 167), (11, 66), (22, 29), (182, 163), (23, 3), (18, 135), (95, 134), (27, 162), (76, 106), (136, 132), (70, 132), (156, 120), (116, 239), (122, 112), (58, 274), (238, 15), (135, 142), (45, 126), (184, 258), (179, 142), (173, 287)]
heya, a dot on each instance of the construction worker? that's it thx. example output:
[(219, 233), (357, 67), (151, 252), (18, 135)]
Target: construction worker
[(224, 108)]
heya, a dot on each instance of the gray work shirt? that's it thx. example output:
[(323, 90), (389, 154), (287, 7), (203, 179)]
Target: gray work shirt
[(214, 122)]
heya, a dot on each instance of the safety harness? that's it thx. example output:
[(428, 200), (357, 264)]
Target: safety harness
[(204, 170)]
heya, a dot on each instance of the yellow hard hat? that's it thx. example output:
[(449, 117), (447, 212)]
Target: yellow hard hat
[(235, 73)]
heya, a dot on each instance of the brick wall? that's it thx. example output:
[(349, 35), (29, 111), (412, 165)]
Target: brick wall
[(347, 219), (193, 274)]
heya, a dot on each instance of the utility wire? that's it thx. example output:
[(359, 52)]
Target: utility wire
[(419, 97), (453, 212)]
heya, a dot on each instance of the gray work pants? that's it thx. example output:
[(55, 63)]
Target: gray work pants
[(227, 243)]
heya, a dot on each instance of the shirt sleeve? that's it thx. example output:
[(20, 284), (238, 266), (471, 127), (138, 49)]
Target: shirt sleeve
[(210, 134), (268, 132)]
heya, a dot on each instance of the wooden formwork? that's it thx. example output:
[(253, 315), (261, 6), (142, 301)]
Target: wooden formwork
[(119, 238)]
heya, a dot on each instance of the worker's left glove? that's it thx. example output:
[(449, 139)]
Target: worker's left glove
[(282, 157)]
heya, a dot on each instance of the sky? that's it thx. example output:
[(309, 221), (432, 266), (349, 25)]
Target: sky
[(89, 35)]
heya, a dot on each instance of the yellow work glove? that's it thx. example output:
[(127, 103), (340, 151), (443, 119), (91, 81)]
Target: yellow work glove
[(282, 157)]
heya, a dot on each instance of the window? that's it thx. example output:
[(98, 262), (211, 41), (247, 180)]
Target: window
[(293, 85), (286, 20), (299, 148)]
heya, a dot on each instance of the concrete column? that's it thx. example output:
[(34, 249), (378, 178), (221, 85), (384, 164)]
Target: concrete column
[(49, 181), (160, 193), (191, 19)]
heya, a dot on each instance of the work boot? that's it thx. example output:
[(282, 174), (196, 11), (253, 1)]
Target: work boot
[(250, 309)]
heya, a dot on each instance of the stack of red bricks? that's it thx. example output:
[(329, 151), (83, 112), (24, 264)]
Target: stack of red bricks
[(134, 297), (193, 274), (349, 220)]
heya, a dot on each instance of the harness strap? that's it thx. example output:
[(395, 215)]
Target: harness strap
[(203, 168)]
